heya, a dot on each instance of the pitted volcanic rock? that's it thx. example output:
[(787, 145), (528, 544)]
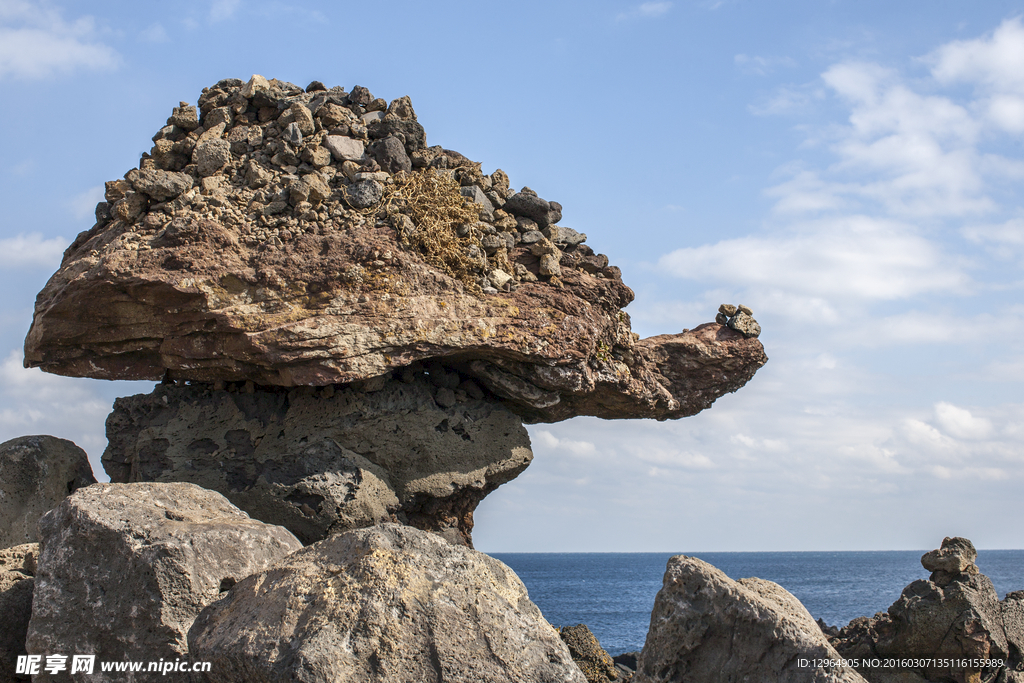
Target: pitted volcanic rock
[(299, 238)]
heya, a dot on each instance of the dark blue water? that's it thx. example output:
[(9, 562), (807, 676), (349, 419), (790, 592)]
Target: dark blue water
[(613, 593)]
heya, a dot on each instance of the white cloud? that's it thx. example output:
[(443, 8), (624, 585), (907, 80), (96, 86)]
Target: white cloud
[(789, 100), (155, 33), (992, 61), (959, 423), (549, 441), (647, 10), (31, 251), (74, 408), (223, 9), (36, 42), (919, 328), (762, 66), (83, 204), (851, 257), (33, 402)]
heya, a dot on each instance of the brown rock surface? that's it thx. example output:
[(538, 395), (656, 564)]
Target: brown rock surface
[(238, 253)]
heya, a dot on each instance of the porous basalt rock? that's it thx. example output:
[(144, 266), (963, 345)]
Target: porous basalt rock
[(296, 238), (124, 569), (387, 604), (954, 558), (319, 461), (955, 615), (17, 578), (706, 627), (36, 474), (592, 659)]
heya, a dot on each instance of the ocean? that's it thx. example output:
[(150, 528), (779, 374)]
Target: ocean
[(613, 593)]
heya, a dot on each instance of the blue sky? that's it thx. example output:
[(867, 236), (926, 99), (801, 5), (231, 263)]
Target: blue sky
[(851, 170)]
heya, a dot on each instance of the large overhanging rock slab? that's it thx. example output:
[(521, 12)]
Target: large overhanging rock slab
[(256, 242), (320, 461), (706, 627), (388, 604)]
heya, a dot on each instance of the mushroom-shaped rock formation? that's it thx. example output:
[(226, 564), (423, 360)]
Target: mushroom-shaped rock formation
[(298, 237)]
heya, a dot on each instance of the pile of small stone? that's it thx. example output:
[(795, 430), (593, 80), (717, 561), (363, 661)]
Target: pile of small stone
[(739, 318), (271, 160)]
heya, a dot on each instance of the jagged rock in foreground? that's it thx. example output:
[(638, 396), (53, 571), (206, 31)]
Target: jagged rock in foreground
[(124, 569), (36, 473), (319, 461), (17, 572), (706, 627), (292, 238), (592, 659), (955, 614), (387, 604)]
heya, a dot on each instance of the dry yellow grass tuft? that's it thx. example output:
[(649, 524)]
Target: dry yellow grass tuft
[(433, 202)]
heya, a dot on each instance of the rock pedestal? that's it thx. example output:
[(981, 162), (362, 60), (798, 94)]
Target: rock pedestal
[(320, 461)]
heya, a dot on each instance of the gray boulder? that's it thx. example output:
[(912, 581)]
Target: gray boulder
[(344, 148), (124, 569), (36, 474), (955, 614), (211, 156), (386, 604), (745, 324), (477, 196), (390, 154), (17, 572), (706, 627), (364, 194), (319, 461), (160, 185), (529, 205)]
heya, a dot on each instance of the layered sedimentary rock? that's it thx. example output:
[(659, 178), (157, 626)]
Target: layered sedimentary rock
[(388, 604), (290, 237), (124, 569), (706, 627), (319, 461), (955, 615), (36, 474), (17, 578)]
